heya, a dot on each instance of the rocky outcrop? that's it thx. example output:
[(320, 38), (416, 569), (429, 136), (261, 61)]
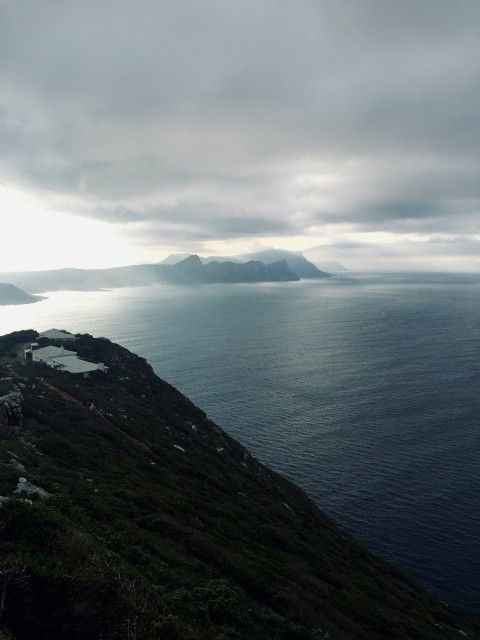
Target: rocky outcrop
[(30, 489), (11, 408)]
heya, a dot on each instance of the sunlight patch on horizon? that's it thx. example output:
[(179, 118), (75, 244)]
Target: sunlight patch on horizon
[(34, 237)]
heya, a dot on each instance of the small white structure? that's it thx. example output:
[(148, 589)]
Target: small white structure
[(55, 334), (45, 354), (65, 360), (72, 364)]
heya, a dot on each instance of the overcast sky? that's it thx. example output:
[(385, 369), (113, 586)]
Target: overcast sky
[(348, 129)]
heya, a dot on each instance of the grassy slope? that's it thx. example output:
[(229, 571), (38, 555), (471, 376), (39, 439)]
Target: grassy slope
[(200, 541)]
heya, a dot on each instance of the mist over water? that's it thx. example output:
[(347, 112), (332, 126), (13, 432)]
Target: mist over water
[(364, 390)]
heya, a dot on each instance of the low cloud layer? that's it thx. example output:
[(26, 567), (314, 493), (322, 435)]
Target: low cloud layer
[(190, 123)]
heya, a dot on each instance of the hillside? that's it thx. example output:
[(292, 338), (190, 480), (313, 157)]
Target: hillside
[(188, 271), (192, 270), (148, 521), (9, 294), (295, 260)]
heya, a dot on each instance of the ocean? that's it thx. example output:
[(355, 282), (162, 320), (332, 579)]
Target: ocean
[(363, 390)]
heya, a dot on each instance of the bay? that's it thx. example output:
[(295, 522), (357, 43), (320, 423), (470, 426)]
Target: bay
[(363, 389)]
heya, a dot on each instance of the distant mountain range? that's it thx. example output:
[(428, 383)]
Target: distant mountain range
[(193, 270), (265, 266), (295, 260)]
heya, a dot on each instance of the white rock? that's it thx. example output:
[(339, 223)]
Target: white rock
[(16, 465), (31, 489)]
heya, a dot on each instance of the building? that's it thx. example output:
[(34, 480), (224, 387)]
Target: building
[(72, 364), (55, 334), (63, 360), (45, 354)]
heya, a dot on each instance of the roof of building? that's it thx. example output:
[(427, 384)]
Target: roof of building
[(75, 365), (55, 334), (53, 352)]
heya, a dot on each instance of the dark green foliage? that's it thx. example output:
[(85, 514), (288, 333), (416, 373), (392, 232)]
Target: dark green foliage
[(143, 539), (10, 341)]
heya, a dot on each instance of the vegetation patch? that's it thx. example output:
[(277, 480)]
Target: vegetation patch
[(160, 525)]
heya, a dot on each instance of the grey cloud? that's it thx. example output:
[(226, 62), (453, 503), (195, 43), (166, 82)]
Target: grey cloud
[(339, 243), (118, 215), (183, 221), (391, 212), (198, 118), (407, 217), (11, 133), (461, 253), (401, 210)]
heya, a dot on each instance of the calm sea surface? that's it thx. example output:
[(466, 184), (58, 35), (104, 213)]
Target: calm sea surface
[(364, 390)]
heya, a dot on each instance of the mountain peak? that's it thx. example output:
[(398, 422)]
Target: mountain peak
[(191, 260), (173, 258), (295, 259)]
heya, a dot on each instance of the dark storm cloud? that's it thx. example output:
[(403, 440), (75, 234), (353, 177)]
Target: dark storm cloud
[(225, 120)]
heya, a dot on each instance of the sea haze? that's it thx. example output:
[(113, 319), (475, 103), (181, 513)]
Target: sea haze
[(364, 390)]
